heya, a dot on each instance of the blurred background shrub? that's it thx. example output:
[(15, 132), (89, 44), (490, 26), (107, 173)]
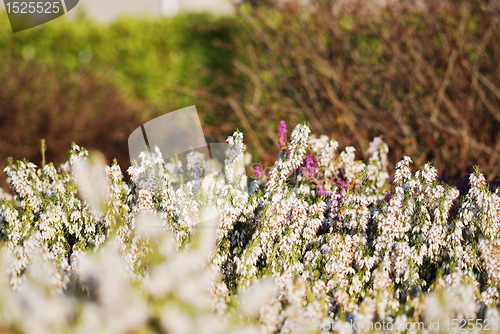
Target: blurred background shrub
[(37, 102), (424, 76), (141, 56)]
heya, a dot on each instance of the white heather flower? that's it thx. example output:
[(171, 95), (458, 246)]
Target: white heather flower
[(5, 195), (492, 316), (403, 171), (234, 162), (256, 296), (21, 258), (270, 316), (354, 214), (25, 184), (121, 306), (175, 321), (92, 182), (326, 151), (350, 167), (295, 157), (490, 256), (490, 296), (377, 153)]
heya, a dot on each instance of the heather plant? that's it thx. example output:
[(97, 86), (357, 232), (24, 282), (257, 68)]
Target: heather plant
[(321, 242)]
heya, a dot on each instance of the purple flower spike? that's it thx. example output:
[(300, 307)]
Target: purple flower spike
[(341, 183), (310, 167), (282, 136), (258, 171), (337, 199), (320, 190), (388, 196)]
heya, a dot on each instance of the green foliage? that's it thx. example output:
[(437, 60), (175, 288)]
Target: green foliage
[(76, 80), (141, 56)]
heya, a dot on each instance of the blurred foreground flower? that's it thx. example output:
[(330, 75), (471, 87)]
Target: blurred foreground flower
[(323, 242)]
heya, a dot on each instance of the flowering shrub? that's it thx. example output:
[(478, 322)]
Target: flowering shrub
[(321, 242)]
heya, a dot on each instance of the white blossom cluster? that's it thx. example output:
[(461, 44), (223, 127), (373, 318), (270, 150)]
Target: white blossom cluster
[(323, 243)]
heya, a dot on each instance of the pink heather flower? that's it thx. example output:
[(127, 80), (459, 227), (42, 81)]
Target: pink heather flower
[(282, 135), (258, 171), (337, 198), (320, 190), (310, 167), (388, 196), (340, 182)]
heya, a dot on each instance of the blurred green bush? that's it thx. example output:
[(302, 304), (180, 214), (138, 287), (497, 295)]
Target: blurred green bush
[(142, 56)]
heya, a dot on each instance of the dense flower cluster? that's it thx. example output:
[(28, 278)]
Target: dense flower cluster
[(321, 243)]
